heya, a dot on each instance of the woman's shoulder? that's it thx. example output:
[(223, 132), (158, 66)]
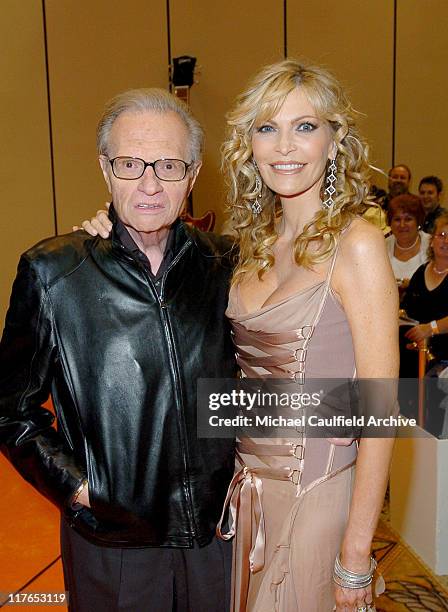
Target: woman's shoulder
[(419, 275), (361, 239), (362, 261)]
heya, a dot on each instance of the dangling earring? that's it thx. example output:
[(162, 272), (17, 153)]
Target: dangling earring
[(329, 187), (256, 206)]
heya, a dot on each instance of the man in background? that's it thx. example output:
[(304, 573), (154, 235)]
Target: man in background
[(399, 180), (430, 191)]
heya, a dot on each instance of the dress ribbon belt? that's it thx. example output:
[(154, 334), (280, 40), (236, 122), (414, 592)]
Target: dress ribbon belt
[(244, 502)]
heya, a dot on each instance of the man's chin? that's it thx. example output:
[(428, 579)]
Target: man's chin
[(148, 226), (398, 190), (430, 208), (146, 236)]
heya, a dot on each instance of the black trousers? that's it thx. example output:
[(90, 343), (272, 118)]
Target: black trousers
[(102, 579)]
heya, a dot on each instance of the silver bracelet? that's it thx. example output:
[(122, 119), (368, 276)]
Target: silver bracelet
[(352, 580)]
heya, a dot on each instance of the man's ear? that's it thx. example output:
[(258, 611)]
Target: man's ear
[(194, 175), (104, 164)]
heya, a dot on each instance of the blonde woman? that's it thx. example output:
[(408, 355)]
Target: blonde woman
[(313, 295)]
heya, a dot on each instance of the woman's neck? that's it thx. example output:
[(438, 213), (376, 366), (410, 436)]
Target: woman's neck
[(405, 251), (440, 265), (407, 242), (297, 212)]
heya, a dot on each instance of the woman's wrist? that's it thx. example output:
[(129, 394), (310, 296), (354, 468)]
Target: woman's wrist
[(426, 330), (434, 327), (356, 557), (346, 577)]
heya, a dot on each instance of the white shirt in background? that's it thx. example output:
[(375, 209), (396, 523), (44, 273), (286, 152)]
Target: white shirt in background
[(405, 269)]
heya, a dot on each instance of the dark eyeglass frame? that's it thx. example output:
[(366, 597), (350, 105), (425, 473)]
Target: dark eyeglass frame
[(153, 166)]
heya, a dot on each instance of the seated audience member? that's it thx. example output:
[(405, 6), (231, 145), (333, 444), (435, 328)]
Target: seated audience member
[(426, 298), (430, 190), (407, 245), (398, 184)]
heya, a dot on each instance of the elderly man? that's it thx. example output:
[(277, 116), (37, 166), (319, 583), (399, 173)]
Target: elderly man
[(430, 190), (119, 331)]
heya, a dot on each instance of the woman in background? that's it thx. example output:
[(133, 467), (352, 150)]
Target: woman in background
[(407, 246), (426, 299)]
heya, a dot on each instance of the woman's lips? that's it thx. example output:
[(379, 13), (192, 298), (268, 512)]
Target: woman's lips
[(287, 167)]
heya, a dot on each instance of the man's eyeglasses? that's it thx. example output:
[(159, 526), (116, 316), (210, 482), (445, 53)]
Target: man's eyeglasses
[(441, 235), (131, 168)]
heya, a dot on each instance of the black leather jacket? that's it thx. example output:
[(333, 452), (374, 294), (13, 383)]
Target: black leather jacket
[(121, 363)]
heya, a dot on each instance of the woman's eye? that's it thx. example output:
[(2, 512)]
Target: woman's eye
[(264, 128), (306, 127)]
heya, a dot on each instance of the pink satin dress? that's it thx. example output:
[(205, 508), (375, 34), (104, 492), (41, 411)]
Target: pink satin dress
[(289, 500)]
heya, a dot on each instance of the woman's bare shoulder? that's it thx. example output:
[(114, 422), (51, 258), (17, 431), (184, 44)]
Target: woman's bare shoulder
[(362, 260), (362, 240)]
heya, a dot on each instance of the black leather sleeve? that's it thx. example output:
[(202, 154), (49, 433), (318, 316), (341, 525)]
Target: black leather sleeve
[(27, 357)]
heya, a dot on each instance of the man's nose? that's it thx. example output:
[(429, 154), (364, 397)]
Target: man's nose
[(149, 183)]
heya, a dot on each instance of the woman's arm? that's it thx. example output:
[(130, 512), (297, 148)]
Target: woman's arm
[(411, 305), (426, 330), (365, 283)]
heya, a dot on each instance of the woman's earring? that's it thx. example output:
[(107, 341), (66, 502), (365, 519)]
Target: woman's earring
[(329, 187), (256, 206)]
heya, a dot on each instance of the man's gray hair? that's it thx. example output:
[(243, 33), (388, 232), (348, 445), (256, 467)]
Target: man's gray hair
[(151, 99)]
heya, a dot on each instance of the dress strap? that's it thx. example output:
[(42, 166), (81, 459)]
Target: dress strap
[(325, 292), (333, 262)]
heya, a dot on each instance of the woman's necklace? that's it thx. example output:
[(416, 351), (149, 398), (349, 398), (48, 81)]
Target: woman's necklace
[(439, 271), (409, 247)]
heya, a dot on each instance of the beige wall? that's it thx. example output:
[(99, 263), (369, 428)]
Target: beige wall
[(230, 40), (96, 49), (25, 173), (355, 41), (422, 76)]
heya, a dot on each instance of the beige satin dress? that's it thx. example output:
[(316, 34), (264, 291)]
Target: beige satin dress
[(289, 500)]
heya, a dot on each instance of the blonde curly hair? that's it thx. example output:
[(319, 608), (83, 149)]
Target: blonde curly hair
[(256, 234)]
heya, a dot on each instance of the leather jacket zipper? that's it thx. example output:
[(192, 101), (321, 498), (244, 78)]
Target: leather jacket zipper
[(175, 365)]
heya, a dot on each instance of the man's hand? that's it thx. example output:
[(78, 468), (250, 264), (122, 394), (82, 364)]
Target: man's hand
[(100, 224), (83, 496)]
